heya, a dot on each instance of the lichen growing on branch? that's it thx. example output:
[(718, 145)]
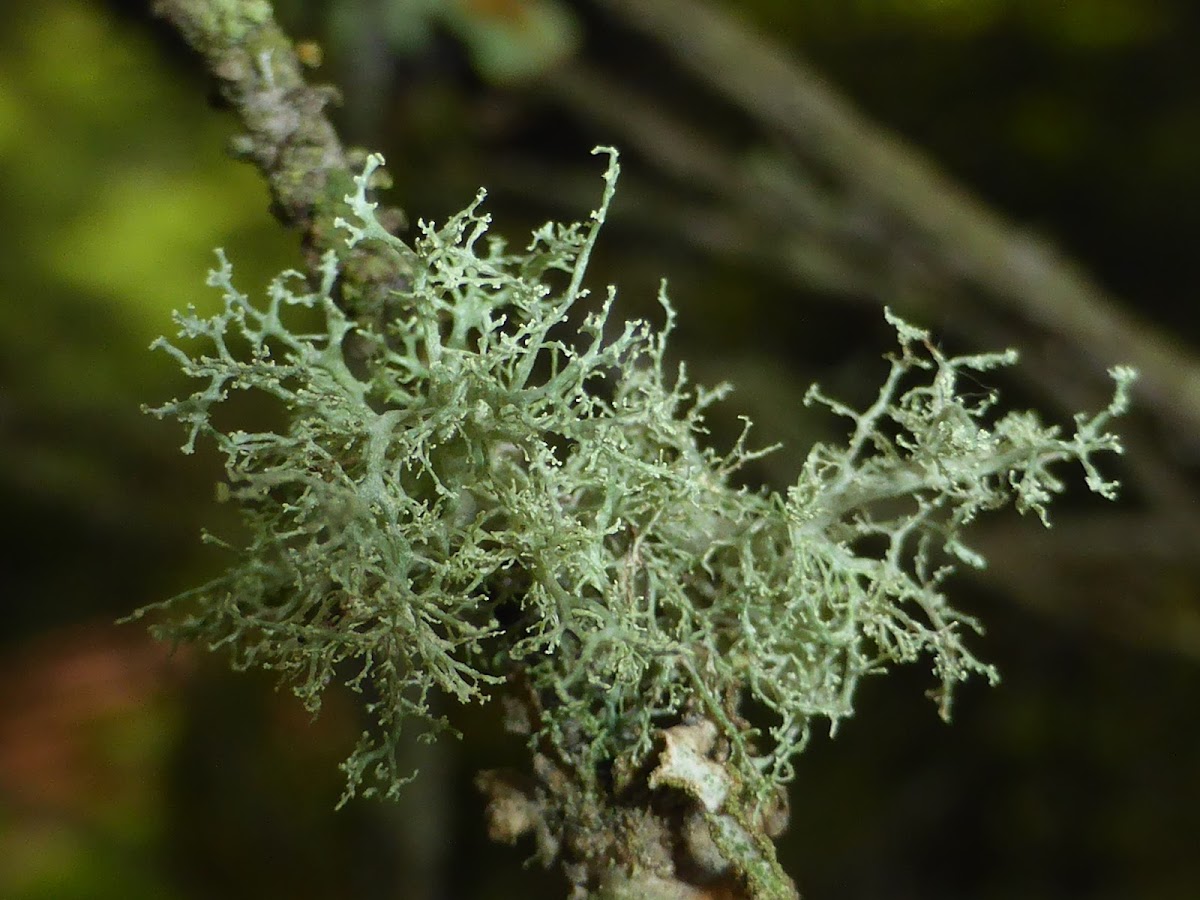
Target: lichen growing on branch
[(512, 482)]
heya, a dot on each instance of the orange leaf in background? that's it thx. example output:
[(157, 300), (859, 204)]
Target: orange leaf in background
[(58, 696)]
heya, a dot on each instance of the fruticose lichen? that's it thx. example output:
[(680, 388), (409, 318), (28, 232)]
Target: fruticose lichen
[(511, 483)]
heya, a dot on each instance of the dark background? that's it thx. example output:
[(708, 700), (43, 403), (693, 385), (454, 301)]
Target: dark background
[(125, 773)]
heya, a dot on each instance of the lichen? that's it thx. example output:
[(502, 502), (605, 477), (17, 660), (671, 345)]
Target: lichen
[(234, 19), (513, 482)]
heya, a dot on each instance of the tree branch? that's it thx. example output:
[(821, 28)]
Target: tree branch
[(287, 136)]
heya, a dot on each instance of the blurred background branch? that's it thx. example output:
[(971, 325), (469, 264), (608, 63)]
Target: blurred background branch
[(967, 247)]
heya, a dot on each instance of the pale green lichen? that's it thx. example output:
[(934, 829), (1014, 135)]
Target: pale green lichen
[(233, 19), (492, 496)]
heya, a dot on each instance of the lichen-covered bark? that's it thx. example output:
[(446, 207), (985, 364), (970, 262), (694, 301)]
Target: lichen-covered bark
[(287, 135)]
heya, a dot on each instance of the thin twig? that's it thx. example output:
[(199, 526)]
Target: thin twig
[(287, 135)]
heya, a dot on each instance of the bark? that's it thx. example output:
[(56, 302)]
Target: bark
[(287, 135)]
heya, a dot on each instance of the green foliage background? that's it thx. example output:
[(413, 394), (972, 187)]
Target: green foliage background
[(1076, 778)]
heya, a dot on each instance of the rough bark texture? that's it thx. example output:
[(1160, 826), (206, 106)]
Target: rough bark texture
[(676, 829), (287, 135)]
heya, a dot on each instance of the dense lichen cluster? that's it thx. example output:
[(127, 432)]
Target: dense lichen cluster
[(502, 483)]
